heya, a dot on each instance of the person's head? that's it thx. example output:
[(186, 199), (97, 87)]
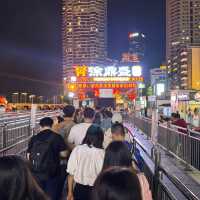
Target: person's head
[(60, 119), (98, 108), (117, 154), (117, 184), (174, 117), (108, 114), (46, 122), (94, 136), (78, 116), (118, 132), (117, 117), (196, 111), (69, 111), (89, 114), (16, 181)]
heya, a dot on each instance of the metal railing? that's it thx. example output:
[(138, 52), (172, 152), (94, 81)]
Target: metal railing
[(16, 133), (182, 143), (164, 186)]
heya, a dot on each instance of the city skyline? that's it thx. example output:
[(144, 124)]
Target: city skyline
[(31, 46)]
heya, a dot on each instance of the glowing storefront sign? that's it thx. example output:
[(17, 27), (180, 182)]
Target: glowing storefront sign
[(124, 71), (137, 71), (115, 79), (109, 71), (106, 85)]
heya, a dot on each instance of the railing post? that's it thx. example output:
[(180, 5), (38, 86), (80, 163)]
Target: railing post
[(4, 138), (188, 152), (156, 177)]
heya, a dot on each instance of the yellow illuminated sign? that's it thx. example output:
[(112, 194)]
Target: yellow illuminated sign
[(81, 71)]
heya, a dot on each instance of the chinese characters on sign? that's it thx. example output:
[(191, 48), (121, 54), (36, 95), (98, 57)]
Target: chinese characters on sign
[(106, 85), (109, 71)]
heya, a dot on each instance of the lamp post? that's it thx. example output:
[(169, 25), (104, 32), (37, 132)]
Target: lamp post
[(31, 98)]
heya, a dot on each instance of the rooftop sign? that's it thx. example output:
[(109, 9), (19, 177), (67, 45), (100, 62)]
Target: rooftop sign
[(109, 71)]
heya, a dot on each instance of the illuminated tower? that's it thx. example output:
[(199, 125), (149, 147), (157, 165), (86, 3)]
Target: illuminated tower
[(182, 33), (84, 33), (136, 48)]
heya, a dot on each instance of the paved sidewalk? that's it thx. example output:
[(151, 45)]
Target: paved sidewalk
[(190, 178)]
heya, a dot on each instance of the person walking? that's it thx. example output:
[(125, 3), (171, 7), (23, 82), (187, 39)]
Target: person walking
[(17, 182), (78, 132), (85, 164), (44, 152)]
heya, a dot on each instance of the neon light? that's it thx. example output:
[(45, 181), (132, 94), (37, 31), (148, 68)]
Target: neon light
[(115, 79), (124, 71), (110, 71), (137, 71), (81, 71)]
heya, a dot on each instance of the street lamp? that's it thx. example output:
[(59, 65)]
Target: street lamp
[(31, 97)]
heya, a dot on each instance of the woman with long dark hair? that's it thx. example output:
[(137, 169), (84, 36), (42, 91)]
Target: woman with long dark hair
[(117, 154), (16, 181), (85, 163), (117, 184)]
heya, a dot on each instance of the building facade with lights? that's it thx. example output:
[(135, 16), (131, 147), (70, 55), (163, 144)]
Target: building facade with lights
[(182, 41), (84, 33), (136, 50)]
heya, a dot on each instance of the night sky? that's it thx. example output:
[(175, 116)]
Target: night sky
[(30, 40)]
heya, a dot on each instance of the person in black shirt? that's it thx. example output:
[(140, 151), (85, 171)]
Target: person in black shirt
[(44, 152)]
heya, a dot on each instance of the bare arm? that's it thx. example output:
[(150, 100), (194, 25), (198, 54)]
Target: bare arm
[(28, 156), (71, 146), (70, 187)]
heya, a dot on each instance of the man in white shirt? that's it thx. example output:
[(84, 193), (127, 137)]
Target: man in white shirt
[(78, 132)]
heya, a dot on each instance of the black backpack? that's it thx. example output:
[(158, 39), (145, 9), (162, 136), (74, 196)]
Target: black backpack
[(42, 158)]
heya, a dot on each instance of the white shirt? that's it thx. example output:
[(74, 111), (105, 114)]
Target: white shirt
[(78, 133), (85, 164)]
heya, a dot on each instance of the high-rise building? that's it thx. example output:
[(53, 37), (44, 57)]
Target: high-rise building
[(136, 48), (137, 45), (182, 33), (84, 33)]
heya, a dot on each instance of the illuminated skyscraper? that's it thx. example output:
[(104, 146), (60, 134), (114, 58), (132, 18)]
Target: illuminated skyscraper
[(84, 33), (182, 33), (136, 48)]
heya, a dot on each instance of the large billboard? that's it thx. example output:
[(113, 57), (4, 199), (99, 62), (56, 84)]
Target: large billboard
[(98, 77)]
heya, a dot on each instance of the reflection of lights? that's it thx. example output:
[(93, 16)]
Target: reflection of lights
[(65, 79), (70, 94)]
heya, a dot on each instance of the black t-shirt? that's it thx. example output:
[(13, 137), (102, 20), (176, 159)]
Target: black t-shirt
[(58, 143)]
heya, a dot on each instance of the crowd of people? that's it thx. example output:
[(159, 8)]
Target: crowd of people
[(87, 154), (183, 122)]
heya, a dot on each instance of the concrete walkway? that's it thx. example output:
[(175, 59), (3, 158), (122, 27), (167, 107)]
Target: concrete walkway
[(190, 177)]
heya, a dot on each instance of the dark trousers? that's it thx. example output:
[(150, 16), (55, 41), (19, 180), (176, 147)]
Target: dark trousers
[(53, 187), (82, 192)]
